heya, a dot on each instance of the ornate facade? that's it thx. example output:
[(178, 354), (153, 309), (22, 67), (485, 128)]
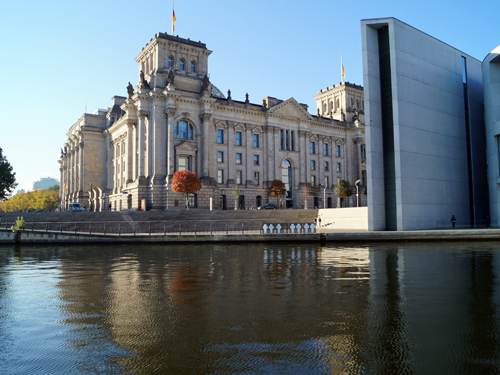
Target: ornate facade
[(175, 119)]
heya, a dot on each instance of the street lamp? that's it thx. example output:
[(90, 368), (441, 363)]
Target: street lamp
[(357, 183)]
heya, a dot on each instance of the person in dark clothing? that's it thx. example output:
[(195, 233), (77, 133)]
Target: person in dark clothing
[(453, 220)]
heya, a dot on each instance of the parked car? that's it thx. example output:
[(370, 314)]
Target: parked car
[(269, 206), (75, 207)]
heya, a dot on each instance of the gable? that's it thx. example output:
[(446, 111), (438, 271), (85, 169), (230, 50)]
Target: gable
[(290, 108), (186, 146)]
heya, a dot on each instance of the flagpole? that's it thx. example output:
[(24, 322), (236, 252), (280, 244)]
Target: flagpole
[(341, 69)]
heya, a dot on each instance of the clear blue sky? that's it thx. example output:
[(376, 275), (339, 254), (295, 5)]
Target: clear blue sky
[(59, 56)]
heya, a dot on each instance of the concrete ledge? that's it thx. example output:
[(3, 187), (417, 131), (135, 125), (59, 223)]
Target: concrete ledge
[(39, 237), (8, 237)]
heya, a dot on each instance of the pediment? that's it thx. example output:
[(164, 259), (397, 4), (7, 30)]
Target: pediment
[(290, 108), (186, 146)]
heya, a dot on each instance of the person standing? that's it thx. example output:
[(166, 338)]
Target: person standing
[(453, 221)]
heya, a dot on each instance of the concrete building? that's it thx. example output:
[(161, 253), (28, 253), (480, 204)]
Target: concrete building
[(45, 183), (175, 119), (491, 81), (425, 136)]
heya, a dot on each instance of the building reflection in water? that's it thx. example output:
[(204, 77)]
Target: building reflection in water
[(393, 308)]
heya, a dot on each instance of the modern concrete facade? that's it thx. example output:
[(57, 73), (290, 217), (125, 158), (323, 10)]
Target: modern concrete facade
[(175, 118), (425, 131), (491, 81)]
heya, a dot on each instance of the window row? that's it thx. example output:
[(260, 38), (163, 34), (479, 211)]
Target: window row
[(239, 139), (182, 64), (326, 150), (239, 158), (287, 140), (326, 165), (239, 177), (326, 182)]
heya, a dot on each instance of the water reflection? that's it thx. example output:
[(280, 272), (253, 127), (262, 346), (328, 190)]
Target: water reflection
[(382, 309)]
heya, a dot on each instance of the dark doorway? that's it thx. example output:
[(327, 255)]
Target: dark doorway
[(259, 201), (222, 202)]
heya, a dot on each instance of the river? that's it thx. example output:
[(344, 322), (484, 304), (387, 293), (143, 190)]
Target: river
[(397, 308)]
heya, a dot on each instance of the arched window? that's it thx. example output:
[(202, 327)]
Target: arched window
[(352, 102), (170, 62), (337, 105), (357, 103), (181, 64), (193, 67), (286, 174), (183, 130)]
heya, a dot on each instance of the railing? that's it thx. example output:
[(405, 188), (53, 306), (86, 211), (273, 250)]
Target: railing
[(164, 228)]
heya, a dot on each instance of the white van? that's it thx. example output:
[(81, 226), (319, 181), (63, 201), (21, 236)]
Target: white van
[(75, 207)]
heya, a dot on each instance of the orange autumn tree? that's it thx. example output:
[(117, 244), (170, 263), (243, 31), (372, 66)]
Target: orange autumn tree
[(186, 182), (277, 189)]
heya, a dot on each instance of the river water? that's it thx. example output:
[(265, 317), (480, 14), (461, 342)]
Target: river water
[(420, 308)]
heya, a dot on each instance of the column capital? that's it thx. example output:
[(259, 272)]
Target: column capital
[(170, 112), (143, 113), (205, 117)]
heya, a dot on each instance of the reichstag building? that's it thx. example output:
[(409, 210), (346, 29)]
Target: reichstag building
[(174, 119)]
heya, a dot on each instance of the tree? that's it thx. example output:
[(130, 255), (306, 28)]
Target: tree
[(236, 195), (7, 178), (277, 188), (186, 182), (343, 189)]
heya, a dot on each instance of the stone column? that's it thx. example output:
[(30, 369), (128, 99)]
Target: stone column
[(130, 151), (205, 148), (231, 155), (320, 170), (170, 112), (81, 168), (141, 140), (307, 171), (159, 135)]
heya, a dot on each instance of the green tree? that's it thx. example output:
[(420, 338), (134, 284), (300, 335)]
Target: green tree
[(7, 177), (54, 188), (343, 189)]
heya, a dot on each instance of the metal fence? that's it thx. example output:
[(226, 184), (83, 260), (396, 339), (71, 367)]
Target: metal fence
[(164, 228)]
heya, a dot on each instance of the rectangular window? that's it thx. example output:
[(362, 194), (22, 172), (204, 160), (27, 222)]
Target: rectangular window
[(363, 177), (220, 136), (337, 150), (220, 176), (313, 181), (256, 178), (238, 177), (286, 140), (313, 147), (338, 167), (238, 158), (238, 139), (255, 140), (325, 149), (220, 157), (313, 165), (327, 182), (326, 166), (184, 163), (292, 146), (281, 140), (256, 160), (363, 152)]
